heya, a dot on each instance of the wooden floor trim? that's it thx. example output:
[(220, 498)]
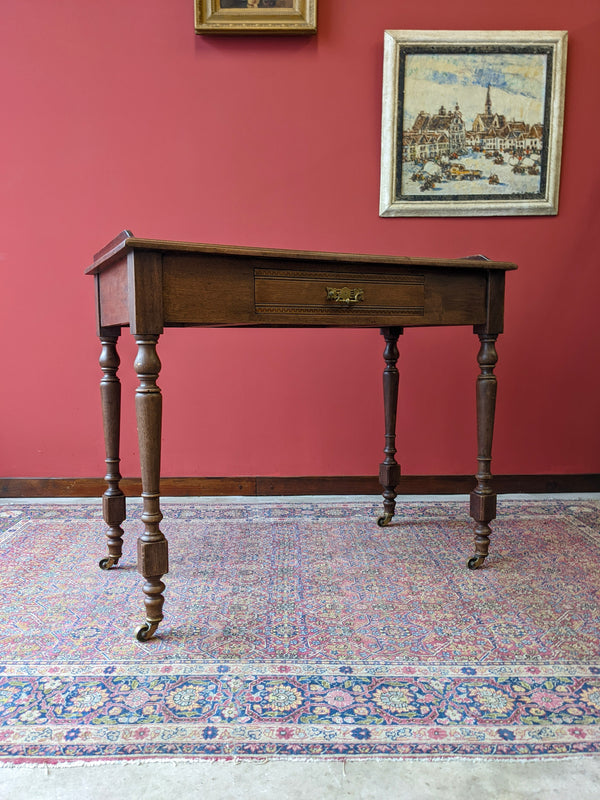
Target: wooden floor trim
[(299, 485)]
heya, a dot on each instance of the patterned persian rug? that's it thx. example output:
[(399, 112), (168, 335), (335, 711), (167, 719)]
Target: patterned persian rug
[(301, 629)]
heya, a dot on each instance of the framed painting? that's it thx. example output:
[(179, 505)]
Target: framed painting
[(472, 122), (256, 16)]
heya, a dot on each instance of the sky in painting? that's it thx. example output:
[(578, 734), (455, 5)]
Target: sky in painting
[(517, 84)]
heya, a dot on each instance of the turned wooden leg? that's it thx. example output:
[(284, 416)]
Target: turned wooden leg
[(389, 469), (483, 498), (113, 500), (152, 549)]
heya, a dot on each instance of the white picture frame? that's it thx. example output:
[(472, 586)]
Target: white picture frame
[(472, 122)]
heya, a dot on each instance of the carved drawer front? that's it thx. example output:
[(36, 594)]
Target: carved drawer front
[(337, 293)]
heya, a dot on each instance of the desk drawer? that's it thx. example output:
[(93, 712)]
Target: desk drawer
[(335, 294)]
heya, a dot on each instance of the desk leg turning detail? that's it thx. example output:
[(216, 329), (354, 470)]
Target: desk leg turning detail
[(152, 549), (483, 498), (389, 469), (113, 500)]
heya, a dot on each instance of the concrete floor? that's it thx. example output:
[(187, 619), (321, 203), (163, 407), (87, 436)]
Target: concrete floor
[(559, 779), (545, 779)]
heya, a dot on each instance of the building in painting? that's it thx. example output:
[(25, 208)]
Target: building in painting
[(492, 132), (435, 136), (488, 122)]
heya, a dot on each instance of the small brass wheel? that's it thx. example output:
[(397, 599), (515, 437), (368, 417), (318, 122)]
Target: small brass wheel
[(475, 562), (384, 520), (145, 631), (108, 562)]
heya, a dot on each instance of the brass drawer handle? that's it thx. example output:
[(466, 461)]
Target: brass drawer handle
[(345, 295)]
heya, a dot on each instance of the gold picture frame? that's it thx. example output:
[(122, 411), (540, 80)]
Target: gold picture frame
[(472, 122), (256, 16)]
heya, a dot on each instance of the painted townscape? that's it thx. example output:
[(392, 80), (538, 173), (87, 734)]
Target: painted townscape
[(490, 143)]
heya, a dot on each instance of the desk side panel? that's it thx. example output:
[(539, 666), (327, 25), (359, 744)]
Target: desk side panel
[(112, 295)]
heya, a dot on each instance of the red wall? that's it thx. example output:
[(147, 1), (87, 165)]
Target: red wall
[(115, 114)]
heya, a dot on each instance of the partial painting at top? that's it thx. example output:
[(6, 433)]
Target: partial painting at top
[(255, 16), (471, 127), (256, 3)]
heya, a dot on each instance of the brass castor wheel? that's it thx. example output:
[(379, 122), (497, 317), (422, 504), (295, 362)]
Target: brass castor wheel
[(384, 520), (145, 631), (108, 562), (475, 562)]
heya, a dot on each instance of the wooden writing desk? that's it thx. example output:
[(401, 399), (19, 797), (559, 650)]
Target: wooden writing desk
[(151, 285)]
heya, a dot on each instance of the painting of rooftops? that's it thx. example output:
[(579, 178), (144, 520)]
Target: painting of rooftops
[(473, 124)]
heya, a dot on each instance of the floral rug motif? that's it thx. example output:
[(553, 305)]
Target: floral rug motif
[(300, 628)]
